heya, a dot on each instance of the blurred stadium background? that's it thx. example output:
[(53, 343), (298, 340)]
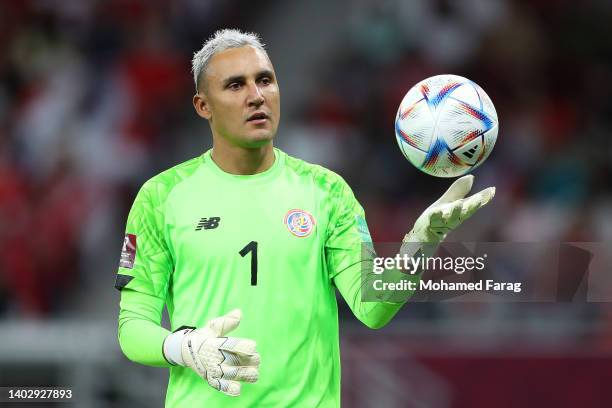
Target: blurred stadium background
[(95, 98)]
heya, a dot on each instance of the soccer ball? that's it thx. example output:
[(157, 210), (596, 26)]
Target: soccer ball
[(446, 125)]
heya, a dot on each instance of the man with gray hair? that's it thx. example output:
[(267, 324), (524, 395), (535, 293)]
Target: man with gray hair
[(249, 240)]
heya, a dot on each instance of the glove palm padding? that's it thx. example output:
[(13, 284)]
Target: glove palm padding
[(222, 361)]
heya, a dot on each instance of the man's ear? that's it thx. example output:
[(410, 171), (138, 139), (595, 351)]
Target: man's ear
[(200, 103)]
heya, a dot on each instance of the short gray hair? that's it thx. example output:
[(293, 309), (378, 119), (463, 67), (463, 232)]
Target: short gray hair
[(221, 41)]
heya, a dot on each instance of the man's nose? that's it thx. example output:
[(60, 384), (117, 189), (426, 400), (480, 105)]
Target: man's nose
[(255, 96)]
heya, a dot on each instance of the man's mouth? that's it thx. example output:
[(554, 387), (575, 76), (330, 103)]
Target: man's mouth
[(258, 117)]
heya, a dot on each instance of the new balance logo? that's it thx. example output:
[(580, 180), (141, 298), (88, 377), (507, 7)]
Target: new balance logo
[(208, 223), (470, 153)]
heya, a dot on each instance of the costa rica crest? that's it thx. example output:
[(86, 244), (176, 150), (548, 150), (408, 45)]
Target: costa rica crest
[(299, 222)]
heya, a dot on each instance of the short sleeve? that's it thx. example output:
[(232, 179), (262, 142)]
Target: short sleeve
[(347, 232), (146, 263)]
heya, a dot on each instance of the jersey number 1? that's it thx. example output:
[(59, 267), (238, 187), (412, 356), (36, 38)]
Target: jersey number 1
[(251, 247)]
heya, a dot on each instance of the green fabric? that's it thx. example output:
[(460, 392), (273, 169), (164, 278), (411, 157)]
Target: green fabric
[(140, 335), (291, 312)]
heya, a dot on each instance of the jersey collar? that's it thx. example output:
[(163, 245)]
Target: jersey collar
[(269, 174)]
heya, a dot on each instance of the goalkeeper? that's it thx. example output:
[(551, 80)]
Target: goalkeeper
[(245, 246)]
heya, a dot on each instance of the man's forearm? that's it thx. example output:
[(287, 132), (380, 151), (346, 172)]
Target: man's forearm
[(141, 336), (352, 282)]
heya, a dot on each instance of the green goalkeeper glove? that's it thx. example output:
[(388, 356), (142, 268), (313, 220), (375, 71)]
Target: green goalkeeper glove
[(448, 212), (221, 361)]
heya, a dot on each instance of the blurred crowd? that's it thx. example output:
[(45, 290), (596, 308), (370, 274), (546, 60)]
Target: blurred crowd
[(95, 99)]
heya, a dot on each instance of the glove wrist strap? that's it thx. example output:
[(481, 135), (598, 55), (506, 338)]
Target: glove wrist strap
[(173, 347)]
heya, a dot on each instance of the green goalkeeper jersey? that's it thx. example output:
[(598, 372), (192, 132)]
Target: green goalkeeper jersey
[(275, 245)]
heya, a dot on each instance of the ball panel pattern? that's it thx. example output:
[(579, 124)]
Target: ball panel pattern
[(446, 125)]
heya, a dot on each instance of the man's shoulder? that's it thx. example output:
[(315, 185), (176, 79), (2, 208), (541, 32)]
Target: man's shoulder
[(164, 182), (322, 176)]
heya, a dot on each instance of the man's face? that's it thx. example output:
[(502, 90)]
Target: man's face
[(239, 96)]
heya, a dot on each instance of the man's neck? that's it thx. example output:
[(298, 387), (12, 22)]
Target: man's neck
[(242, 161)]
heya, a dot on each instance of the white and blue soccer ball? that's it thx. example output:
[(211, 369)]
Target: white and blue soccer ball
[(446, 126)]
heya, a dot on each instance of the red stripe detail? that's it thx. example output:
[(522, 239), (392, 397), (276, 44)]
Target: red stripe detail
[(407, 138), (455, 159), (471, 136), (425, 90), (446, 88), (432, 161), (471, 111), (410, 109)]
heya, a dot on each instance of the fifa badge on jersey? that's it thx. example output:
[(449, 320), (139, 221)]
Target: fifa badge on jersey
[(128, 251), (362, 229), (299, 222)]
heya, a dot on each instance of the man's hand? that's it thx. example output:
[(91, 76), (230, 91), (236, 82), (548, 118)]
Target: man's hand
[(221, 361), (449, 212)]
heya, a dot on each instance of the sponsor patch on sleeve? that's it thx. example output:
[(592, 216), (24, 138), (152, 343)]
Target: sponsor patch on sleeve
[(128, 251)]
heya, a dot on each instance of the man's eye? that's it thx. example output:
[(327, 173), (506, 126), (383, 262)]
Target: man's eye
[(265, 81), (234, 86)]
